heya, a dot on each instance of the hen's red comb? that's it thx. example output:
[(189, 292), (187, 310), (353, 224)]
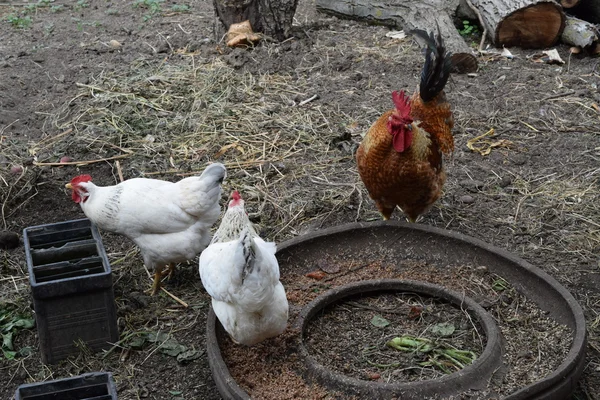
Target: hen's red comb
[(235, 195)]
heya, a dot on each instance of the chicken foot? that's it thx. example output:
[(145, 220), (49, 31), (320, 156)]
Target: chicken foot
[(159, 274)]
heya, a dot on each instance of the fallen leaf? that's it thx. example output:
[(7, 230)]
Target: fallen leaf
[(8, 354), (137, 342), (548, 57), (443, 329), (396, 34), (506, 53), (115, 44), (484, 146), (415, 312), (318, 275), (25, 323), (172, 347), (157, 336), (241, 35), (373, 376), (328, 266), (189, 355), (7, 340), (379, 321), (224, 149)]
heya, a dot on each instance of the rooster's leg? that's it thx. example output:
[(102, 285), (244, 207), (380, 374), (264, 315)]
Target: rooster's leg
[(386, 212)]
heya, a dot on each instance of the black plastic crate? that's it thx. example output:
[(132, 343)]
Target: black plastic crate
[(71, 285), (92, 386)]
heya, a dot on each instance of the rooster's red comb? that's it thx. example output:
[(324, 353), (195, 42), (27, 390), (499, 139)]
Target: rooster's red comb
[(81, 178), (402, 103)]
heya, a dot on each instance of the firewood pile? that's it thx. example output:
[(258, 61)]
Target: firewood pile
[(529, 24)]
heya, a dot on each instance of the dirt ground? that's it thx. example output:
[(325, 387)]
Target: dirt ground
[(147, 88)]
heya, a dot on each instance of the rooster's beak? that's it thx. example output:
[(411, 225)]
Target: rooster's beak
[(69, 186)]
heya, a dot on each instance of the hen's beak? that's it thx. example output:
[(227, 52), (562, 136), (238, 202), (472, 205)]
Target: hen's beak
[(69, 186)]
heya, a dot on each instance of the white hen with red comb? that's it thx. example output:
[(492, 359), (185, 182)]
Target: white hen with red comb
[(240, 272), (169, 222)]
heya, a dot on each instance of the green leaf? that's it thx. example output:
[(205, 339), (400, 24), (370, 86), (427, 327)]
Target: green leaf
[(137, 342), (499, 285), (172, 347), (410, 343), (25, 323), (443, 329), (25, 351), (189, 355), (7, 341), (9, 355), (175, 392), (379, 321), (157, 337)]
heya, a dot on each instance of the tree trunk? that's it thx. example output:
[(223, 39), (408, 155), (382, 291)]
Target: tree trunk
[(235, 11), (580, 33), (408, 15), (523, 23), (277, 17), (271, 17)]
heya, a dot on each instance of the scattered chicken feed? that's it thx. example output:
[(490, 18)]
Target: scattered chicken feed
[(272, 370)]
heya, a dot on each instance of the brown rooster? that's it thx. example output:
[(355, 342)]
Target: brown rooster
[(400, 157)]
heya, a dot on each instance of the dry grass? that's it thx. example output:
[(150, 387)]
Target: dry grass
[(294, 161), (169, 121)]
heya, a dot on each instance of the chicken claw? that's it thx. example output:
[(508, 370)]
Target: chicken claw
[(155, 283), (159, 274)]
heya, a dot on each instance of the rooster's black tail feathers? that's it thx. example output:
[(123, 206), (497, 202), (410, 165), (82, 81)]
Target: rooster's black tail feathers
[(437, 67)]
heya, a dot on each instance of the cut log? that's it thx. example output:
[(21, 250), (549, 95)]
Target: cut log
[(464, 11), (408, 15), (271, 17), (569, 3), (580, 33), (588, 10), (524, 23)]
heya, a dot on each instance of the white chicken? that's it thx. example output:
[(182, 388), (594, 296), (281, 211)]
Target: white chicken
[(169, 222), (240, 272)]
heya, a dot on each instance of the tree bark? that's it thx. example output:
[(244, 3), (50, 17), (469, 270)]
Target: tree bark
[(235, 11), (272, 17), (523, 23), (580, 33), (277, 17), (408, 15)]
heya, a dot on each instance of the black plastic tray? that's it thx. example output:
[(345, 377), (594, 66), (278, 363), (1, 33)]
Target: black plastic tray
[(91, 386), (71, 286)]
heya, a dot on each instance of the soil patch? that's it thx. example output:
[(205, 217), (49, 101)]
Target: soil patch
[(66, 89)]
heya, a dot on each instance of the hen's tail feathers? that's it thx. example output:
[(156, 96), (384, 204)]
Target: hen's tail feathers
[(215, 173), (437, 67)]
